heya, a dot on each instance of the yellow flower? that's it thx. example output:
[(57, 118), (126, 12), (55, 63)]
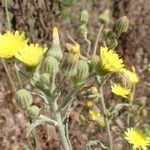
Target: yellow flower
[(132, 76), (73, 48), (136, 137), (110, 61), (89, 103), (10, 43), (94, 115), (31, 54), (120, 91)]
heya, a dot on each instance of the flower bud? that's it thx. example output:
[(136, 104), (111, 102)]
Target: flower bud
[(69, 64), (24, 99), (93, 64), (33, 111), (97, 117), (84, 17), (104, 17), (83, 30), (89, 104), (82, 71), (73, 48), (55, 50), (45, 80), (122, 24), (50, 65)]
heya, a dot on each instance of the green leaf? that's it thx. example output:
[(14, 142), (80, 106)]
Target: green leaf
[(115, 110)]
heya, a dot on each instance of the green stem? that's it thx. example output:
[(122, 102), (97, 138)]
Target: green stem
[(106, 119), (61, 129), (8, 75), (97, 39), (18, 76), (7, 15)]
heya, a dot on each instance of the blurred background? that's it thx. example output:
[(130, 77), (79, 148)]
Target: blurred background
[(37, 18)]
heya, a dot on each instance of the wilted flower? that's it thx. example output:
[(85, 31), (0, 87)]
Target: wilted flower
[(109, 61), (10, 43), (132, 76), (31, 54), (137, 138), (120, 91)]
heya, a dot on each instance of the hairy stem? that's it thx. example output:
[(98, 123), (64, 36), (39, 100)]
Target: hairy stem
[(97, 39), (106, 119), (61, 128)]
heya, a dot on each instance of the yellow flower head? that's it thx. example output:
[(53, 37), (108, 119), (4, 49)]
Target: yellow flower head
[(30, 54), (132, 76), (136, 137), (10, 43), (89, 103), (110, 61), (120, 91), (73, 48), (94, 115)]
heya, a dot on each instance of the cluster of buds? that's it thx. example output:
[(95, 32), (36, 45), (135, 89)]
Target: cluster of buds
[(46, 73), (122, 25), (84, 18), (24, 101)]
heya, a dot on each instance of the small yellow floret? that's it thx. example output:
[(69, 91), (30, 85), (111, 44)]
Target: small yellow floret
[(10, 43), (110, 61), (89, 103), (132, 76), (73, 48), (31, 54), (94, 115), (120, 91), (137, 138)]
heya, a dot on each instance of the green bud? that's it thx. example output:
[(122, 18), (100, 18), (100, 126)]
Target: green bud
[(84, 17), (24, 99), (94, 64), (101, 121), (69, 64), (33, 111), (82, 71), (50, 65), (144, 113), (122, 24), (55, 50), (104, 17), (45, 80), (83, 30)]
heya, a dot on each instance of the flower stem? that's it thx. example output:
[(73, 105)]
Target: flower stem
[(97, 39), (61, 128), (106, 119), (18, 75), (8, 75)]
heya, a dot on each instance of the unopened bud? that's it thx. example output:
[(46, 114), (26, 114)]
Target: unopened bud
[(84, 17), (33, 111), (104, 17), (45, 80), (89, 104), (83, 30), (55, 49), (82, 71), (73, 48), (122, 24), (24, 99), (50, 65), (69, 64), (94, 64)]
